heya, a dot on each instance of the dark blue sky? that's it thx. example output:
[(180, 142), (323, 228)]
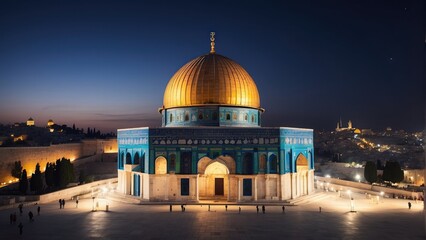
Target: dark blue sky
[(105, 64)]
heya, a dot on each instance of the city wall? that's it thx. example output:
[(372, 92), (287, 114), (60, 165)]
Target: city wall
[(30, 156)]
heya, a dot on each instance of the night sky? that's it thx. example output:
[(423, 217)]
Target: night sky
[(105, 64)]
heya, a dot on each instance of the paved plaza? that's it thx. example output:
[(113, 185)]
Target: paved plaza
[(387, 219)]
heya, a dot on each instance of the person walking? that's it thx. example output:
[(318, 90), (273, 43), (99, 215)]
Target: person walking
[(226, 207), (30, 216), (263, 209), (283, 209), (60, 203), (20, 206), (76, 203), (63, 203), (257, 208), (20, 227), (38, 210), (409, 205)]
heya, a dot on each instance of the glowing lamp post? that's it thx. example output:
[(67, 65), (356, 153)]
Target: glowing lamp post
[(351, 200), (358, 178)]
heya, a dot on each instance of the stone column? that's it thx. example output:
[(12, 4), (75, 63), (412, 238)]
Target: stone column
[(196, 188), (239, 189), (131, 183), (229, 187), (255, 188), (166, 197), (267, 194), (293, 185)]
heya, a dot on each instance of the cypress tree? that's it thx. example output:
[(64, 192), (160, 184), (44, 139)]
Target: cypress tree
[(17, 170), (23, 182), (370, 172)]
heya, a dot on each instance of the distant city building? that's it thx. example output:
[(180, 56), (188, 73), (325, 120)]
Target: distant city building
[(211, 145), (50, 123), (340, 127), (30, 122)]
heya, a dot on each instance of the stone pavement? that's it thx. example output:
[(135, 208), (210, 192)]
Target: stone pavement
[(388, 219)]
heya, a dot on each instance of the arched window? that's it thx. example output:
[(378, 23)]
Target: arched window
[(128, 158), (246, 117), (172, 166), (234, 116), (248, 163), (200, 116), (136, 158), (228, 116), (252, 118), (160, 165), (186, 116), (171, 117), (273, 164), (186, 162)]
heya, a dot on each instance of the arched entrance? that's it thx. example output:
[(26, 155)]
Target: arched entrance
[(302, 168), (213, 182)]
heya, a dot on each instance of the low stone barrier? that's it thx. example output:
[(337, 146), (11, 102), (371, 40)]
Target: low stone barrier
[(77, 190), (372, 189)]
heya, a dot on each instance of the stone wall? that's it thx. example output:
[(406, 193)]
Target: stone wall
[(338, 184), (30, 156)]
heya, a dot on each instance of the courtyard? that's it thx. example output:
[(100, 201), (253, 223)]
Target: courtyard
[(371, 219)]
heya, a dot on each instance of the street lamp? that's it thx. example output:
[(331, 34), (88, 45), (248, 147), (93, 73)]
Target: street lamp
[(352, 200), (358, 177)]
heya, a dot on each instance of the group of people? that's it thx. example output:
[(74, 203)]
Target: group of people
[(13, 217), (263, 209), (61, 203)]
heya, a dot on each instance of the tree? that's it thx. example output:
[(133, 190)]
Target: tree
[(36, 183), (393, 172), (23, 182), (17, 170), (370, 172), (64, 172), (49, 174)]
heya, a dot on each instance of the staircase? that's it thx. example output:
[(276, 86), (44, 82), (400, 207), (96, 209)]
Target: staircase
[(308, 199)]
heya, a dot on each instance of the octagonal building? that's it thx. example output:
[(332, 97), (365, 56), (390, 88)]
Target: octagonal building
[(211, 145)]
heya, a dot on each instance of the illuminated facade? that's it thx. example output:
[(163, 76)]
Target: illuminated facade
[(212, 145), (30, 122)]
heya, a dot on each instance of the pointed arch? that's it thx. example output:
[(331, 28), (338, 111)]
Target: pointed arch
[(160, 165), (136, 159), (128, 158), (248, 163), (273, 163), (301, 163)]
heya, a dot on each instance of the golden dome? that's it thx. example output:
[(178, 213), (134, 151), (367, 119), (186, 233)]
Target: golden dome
[(211, 79)]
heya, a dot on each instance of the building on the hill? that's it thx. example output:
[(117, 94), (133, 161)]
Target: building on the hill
[(50, 123), (30, 122), (340, 127), (211, 144)]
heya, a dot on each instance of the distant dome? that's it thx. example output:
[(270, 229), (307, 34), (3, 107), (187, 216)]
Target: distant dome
[(211, 79), (50, 123)]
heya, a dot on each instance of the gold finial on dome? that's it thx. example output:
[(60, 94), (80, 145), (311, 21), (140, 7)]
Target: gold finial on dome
[(212, 42)]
